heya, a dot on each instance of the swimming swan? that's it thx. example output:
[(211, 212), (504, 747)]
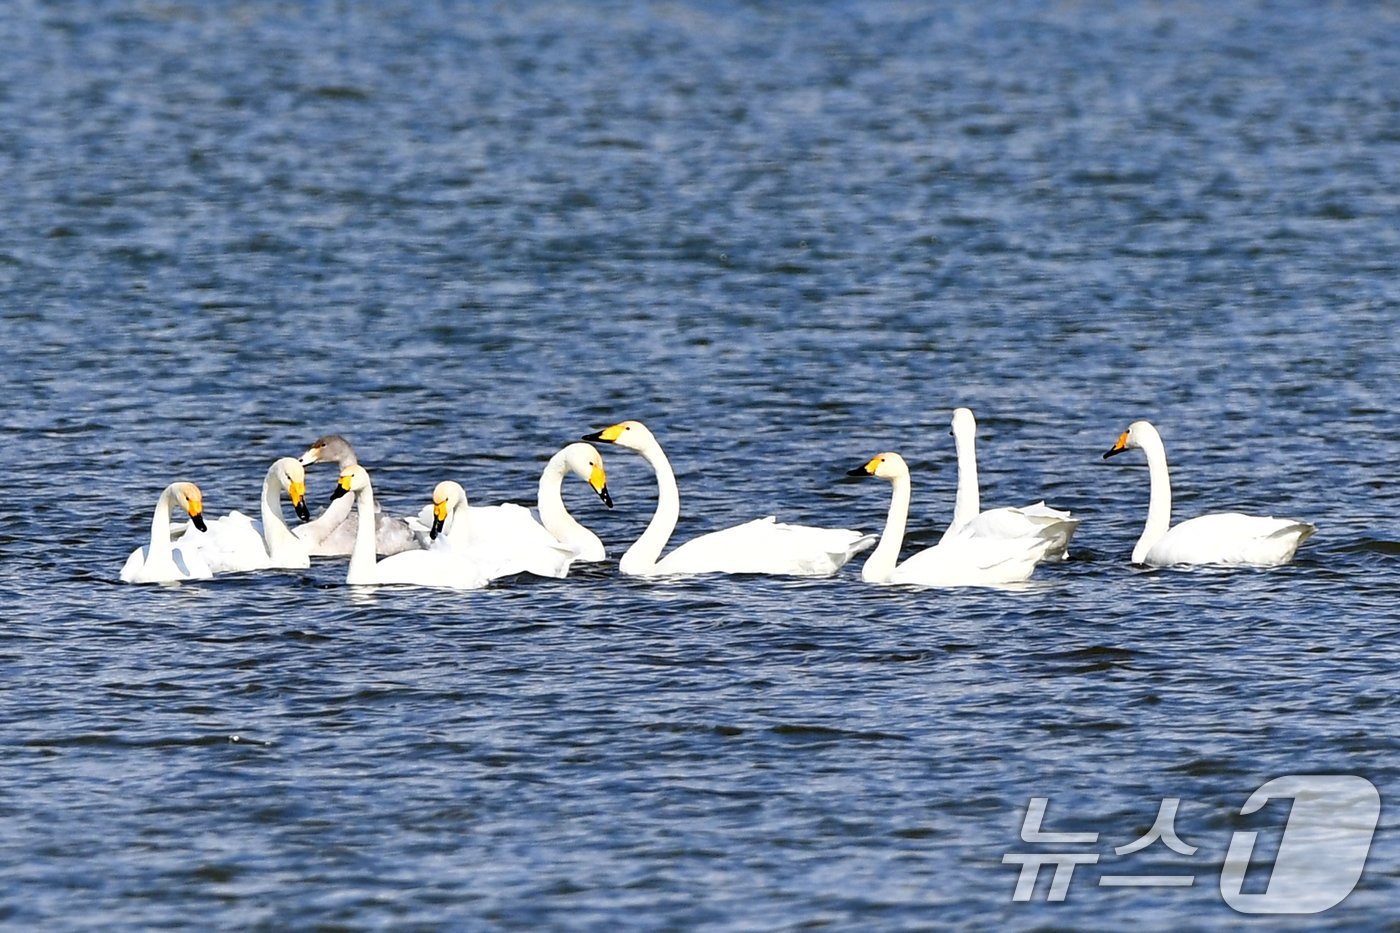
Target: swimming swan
[(1217, 538), (504, 538), (583, 460), (414, 568), (969, 561), (1038, 520), (163, 561), (235, 542), (759, 546), (332, 533)]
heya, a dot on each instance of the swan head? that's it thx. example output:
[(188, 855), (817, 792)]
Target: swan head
[(447, 496), (192, 501), (330, 448), (888, 465), (352, 479), (292, 475), (1139, 434), (630, 434), (964, 423), (586, 463)]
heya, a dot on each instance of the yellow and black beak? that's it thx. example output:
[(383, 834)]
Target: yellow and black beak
[(297, 492), (867, 470), (439, 517), (599, 481), (609, 434), (1117, 448), (196, 509), (341, 487)]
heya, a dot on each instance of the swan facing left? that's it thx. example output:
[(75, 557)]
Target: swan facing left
[(412, 568), (333, 532), (504, 539), (162, 560), (760, 546), (1223, 538), (955, 561)]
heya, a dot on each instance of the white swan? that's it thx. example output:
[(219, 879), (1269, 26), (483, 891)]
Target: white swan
[(969, 561), (414, 568), (333, 532), (235, 542), (1038, 520), (584, 461), (1217, 538), (504, 538), (759, 546), (163, 561)]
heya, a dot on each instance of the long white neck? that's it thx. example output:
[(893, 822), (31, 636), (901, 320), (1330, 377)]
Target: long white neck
[(160, 547), (553, 514), (1159, 505), (969, 502), (645, 551), (276, 534), (362, 556), (882, 561)]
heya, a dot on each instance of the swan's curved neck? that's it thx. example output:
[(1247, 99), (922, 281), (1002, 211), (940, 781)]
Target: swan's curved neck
[(644, 552), (161, 547), (1159, 505), (882, 561), (362, 556), (969, 501), (553, 514), (275, 530)]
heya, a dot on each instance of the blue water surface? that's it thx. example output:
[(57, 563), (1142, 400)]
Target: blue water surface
[(787, 237)]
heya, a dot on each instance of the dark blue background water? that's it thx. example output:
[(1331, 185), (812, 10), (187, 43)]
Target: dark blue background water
[(787, 237)]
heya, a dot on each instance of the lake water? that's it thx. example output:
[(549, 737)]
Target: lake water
[(787, 237)]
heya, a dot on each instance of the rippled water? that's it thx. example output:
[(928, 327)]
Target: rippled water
[(787, 237)]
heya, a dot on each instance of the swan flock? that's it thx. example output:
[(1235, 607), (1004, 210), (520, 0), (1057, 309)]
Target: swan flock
[(452, 544)]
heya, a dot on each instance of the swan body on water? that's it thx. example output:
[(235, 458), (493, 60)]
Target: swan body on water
[(163, 560), (959, 561), (760, 546), (1038, 520), (235, 542), (412, 568), (1227, 538), (481, 524), (333, 532), (505, 539)]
